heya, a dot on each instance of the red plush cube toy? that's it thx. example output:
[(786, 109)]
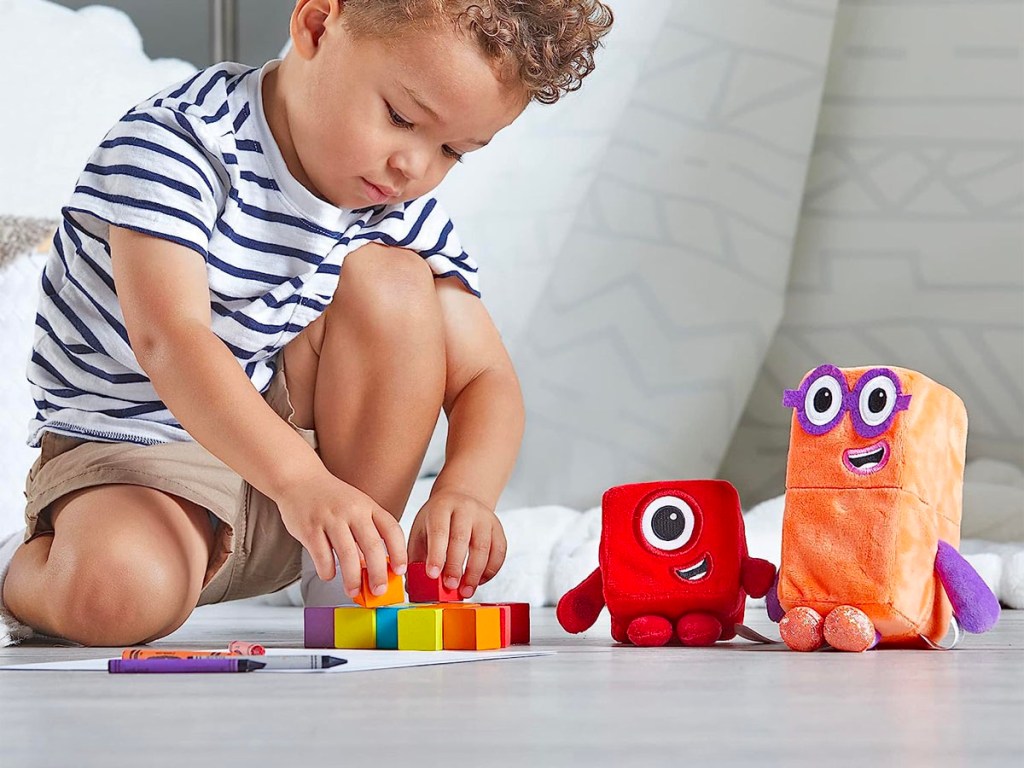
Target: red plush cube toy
[(673, 561)]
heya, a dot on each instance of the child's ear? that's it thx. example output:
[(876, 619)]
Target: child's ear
[(309, 22)]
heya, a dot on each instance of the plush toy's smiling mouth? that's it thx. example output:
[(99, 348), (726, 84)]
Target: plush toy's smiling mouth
[(695, 572), (867, 460)]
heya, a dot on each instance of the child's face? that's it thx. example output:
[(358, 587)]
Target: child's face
[(352, 106)]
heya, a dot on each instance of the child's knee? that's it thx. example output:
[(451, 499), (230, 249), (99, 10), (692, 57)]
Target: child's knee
[(391, 288)]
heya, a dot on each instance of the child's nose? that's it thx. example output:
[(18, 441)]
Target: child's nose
[(411, 163)]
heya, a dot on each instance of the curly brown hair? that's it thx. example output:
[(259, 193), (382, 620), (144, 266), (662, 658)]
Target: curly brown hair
[(546, 45)]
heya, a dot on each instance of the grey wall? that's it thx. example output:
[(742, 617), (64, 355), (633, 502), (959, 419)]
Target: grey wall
[(182, 28)]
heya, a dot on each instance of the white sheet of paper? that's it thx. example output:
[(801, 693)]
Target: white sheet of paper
[(358, 661)]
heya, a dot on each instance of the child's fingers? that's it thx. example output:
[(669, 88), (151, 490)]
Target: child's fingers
[(320, 553), (479, 553), (348, 558), (375, 555), (458, 545), (437, 543), (394, 540), (496, 557)]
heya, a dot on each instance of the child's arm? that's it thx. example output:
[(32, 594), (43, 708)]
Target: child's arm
[(485, 427), (164, 296)]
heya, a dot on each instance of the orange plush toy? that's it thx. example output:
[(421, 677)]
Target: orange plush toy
[(872, 517)]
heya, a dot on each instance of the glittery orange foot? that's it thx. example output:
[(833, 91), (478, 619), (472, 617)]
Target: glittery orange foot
[(849, 629), (801, 629)]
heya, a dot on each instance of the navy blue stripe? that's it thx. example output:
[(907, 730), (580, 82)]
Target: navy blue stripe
[(215, 117), (263, 181), (412, 235), (248, 322), (72, 233), (145, 205), (266, 298), (241, 117), (140, 173), (72, 316), (284, 218), (220, 74), (68, 210), (265, 247), (249, 145), (240, 353), (234, 82), (248, 274), (142, 117), (229, 159), (185, 86), (143, 144), (186, 126), (111, 320), (442, 241), (72, 356)]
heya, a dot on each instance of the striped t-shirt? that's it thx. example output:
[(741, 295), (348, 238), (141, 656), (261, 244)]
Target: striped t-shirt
[(197, 165)]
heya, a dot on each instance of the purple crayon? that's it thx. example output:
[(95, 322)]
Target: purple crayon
[(210, 664)]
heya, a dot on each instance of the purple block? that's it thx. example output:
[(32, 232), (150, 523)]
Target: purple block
[(318, 627)]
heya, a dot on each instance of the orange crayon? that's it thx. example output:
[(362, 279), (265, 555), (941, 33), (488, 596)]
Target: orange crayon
[(167, 653)]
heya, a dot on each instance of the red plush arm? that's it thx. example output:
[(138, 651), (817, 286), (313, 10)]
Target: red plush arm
[(757, 577), (580, 606)]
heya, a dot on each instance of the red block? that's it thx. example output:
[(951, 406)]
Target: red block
[(423, 589), (520, 621)]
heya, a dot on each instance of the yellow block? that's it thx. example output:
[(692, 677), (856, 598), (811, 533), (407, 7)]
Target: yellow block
[(420, 629), (355, 627)]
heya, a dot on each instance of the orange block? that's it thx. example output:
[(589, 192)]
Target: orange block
[(395, 592), (475, 628)]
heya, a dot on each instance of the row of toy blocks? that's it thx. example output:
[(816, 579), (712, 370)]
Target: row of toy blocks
[(421, 588), (448, 626)]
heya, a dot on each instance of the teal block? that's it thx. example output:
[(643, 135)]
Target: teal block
[(387, 626)]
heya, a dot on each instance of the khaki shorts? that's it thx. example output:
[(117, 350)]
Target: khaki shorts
[(253, 553)]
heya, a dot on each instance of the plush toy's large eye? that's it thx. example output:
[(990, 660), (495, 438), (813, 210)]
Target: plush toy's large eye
[(823, 400), (877, 400), (667, 523)]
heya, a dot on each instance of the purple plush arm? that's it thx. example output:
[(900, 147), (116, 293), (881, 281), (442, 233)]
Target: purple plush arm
[(771, 602), (974, 605)]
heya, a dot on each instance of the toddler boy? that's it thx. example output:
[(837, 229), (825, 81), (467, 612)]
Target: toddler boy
[(214, 391)]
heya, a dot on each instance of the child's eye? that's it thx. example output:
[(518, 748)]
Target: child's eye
[(449, 152), (397, 119)]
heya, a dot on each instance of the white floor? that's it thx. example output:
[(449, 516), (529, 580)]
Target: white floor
[(590, 704)]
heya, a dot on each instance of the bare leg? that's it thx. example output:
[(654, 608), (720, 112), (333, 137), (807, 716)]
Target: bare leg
[(112, 579), (369, 374)]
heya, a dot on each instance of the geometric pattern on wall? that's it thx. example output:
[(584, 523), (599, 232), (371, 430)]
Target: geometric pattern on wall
[(910, 249), (639, 357)]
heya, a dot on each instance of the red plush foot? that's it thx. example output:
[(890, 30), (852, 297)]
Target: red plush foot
[(698, 629), (849, 629), (801, 629), (619, 631), (649, 630)]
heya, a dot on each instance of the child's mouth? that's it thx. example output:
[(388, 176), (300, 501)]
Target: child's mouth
[(375, 193)]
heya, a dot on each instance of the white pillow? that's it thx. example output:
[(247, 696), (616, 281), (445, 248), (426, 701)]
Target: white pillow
[(67, 76)]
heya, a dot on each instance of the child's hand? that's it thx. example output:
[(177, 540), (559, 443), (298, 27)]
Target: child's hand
[(448, 526), (330, 516)]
